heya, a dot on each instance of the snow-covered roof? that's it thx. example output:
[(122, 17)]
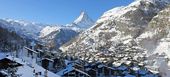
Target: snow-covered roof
[(40, 50), (48, 59), (15, 59), (122, 68), (116, 64), (142, 71), (102, 65), (87, 69), (68, 69), (31, 50), (128, 62), (135, 68)]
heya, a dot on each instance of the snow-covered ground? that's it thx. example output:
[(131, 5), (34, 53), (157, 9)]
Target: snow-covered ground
[(28, 68)]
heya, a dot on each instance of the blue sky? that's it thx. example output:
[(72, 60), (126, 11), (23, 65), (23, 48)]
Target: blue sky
[(56, 11)]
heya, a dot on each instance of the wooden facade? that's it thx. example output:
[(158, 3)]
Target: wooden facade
[(47, 63), (7, 63)]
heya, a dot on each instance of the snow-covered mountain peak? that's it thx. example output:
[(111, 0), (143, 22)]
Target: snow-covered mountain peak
[(161, 1), (144, 6), (21, 22), (83, 16), (55, 36), (24, 28), (82, 22)]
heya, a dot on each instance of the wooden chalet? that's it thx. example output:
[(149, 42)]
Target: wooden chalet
[(56, 62), (73, 69), (8, 63), (105, 71), (98, 69), (91, 72), (95, 65), (74, 64), (47, 63)]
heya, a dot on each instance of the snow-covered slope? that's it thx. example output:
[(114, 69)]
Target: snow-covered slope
[(25, 29), (157, 31), (54, 36), (26, 70), (117, 31), (47, 30), (121, 23), (156, 38)]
